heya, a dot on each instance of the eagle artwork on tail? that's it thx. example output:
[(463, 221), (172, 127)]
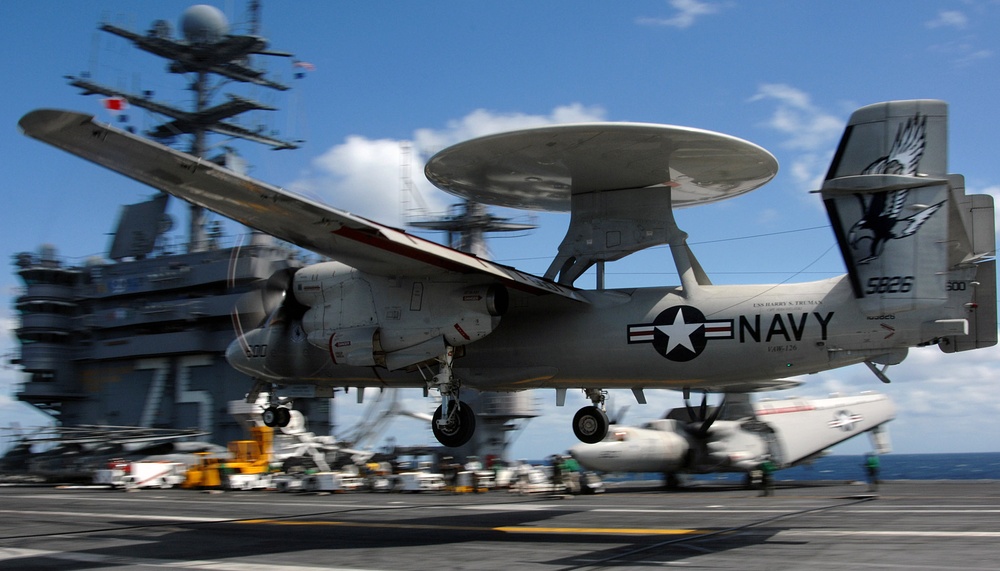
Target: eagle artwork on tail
[(880, 222)]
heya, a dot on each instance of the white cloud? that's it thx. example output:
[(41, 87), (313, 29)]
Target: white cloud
[(768, 216), (974, 56), (964, 51), (12, 411), (16, 415), (808, 127), (363, 176), (688, 11), (938, 396), (810, 131), (952, 41), (949, 19), (9, 325), (482, 122)]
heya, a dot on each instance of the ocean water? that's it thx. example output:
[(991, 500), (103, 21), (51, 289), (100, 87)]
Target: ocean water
[(958, 466)]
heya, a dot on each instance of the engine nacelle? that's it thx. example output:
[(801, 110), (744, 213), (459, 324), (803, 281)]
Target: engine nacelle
[(367, 320), (353, 346), (458, 313)]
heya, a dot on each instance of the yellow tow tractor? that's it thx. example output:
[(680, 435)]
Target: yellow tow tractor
[(248, 466)]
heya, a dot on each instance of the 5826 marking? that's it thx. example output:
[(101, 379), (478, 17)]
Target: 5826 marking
[(890, 284)]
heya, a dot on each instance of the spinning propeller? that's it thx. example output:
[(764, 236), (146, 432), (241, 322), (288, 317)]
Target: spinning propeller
[(701, 420), (264, 303)]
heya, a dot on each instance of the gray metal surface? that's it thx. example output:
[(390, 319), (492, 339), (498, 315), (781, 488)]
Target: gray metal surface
[(910, 525), (541, 168)]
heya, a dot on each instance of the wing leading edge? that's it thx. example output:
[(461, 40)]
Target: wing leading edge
[(358, 242)]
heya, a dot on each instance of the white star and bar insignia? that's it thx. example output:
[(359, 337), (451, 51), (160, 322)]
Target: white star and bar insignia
[(845, 420), (681, 332)]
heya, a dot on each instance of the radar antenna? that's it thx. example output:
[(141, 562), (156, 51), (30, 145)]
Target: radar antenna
[(466, 222)]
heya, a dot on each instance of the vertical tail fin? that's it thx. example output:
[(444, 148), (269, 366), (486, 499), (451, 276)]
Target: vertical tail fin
[(972, 242), (910, 236), (907, 138), (884, 193), (981, 312)]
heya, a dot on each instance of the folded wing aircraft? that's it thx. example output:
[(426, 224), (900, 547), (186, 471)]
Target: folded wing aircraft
[(787, 432), (394, 310)]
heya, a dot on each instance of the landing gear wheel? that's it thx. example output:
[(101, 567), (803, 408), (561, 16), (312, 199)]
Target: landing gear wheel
[(590, 424), (270, 416), (284, 416), (458, 430), (276, 416)]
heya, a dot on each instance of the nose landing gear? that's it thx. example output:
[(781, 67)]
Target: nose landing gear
[(274, 414)]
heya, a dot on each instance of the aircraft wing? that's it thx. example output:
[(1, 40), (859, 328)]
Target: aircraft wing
[(353, 240)]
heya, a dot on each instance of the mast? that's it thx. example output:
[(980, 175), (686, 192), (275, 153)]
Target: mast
[(211, 55)]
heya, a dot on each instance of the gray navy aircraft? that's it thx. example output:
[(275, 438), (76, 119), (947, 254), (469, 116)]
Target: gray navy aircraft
[(394, 310)]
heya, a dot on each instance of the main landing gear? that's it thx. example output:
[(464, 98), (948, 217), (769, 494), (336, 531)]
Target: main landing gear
[(453, 422), (590, 424), (274, 415)]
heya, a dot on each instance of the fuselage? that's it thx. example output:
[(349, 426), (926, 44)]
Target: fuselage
[(718, 338)]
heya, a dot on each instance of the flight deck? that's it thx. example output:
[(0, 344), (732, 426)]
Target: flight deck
[(826, 525)]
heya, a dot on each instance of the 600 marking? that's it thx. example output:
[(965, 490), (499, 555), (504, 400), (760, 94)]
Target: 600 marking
[(256, 351)]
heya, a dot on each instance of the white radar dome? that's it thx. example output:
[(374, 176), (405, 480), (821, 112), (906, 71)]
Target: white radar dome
[(203, 24)]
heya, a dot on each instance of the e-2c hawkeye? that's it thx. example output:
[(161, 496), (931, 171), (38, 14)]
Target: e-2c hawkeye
[(395, 310)]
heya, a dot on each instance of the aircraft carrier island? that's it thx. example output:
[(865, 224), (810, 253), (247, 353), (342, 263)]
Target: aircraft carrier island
[(130, 345), (137, 337), (141, 342)]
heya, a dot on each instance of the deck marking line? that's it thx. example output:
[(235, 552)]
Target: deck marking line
[(889, 533), (502, 529), (114, 516), (14, 554)]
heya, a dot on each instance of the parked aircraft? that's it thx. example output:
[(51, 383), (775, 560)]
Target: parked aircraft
[(788, 432), (397, 310)]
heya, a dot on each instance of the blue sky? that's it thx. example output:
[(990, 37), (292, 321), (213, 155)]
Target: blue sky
[(782, 74)]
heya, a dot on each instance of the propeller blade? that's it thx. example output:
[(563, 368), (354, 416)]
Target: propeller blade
[(703, 429), (262, 297)]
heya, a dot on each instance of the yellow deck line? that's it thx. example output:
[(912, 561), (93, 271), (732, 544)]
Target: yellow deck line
[(600, 530), (502, 529)]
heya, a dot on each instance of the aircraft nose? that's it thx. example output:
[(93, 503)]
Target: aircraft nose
[(588, 454), (237, 355)]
